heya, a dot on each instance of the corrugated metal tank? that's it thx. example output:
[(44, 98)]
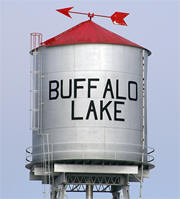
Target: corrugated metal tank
[(91, 100)]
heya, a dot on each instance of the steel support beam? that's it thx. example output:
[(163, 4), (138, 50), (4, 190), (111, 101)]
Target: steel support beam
[(89, 191)]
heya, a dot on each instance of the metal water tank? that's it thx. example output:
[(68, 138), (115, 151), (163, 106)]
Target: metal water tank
[(89, 101)]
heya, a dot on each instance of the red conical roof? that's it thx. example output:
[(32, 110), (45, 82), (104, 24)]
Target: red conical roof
[(88, 32)]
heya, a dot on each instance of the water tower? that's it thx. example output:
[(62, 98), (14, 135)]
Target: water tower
[(89, 123)]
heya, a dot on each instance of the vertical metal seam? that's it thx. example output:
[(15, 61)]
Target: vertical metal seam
[(143, 125), (30, 92)]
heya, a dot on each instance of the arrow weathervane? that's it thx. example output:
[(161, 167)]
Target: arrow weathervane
[(117, 17)]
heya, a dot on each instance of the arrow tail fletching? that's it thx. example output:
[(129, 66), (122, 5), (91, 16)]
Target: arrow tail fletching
[(118, 18), (65, 11)]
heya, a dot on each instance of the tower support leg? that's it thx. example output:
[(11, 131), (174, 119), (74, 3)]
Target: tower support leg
[(89, 191), (115, 191), (58, 192), (116, 195), (125, 190)]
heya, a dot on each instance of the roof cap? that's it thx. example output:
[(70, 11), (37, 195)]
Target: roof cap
[(89, 32)]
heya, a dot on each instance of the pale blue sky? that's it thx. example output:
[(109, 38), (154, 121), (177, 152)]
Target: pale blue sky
[(151, 23)]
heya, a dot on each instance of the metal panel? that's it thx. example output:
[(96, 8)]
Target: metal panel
[(94, 136), (65, 168)]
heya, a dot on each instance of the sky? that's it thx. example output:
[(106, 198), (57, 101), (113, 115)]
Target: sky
[(154, 24)]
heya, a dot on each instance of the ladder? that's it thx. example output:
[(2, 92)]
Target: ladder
[(36, 102)]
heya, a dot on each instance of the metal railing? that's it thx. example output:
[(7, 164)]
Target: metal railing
[(148, 155), (29, 154)]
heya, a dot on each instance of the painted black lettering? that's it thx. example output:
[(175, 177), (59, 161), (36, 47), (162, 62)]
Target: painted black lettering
[(132, 86), (92, 109), (116, 111), (90, 86), (117, 91), (53, 90), (108, 88), (73, 112), (62, 90), (76, 87), (104, 108)]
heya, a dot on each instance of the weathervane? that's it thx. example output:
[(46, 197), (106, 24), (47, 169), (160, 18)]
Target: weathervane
[(117, 17)]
